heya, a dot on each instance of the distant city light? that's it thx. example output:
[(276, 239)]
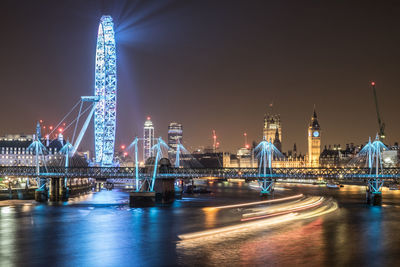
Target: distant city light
[(373, 83)]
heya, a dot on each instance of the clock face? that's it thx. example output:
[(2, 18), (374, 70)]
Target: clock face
[(315, 133)]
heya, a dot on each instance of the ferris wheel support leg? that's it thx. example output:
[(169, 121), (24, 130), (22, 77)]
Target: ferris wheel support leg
[(83, 130)]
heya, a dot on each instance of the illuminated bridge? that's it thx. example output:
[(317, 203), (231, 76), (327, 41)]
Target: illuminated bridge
[(147, 178), (104, 173)]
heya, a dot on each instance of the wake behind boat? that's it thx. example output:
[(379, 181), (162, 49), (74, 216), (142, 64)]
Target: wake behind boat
[(333, 185)]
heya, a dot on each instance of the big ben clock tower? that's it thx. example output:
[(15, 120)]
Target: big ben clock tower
[(314, 141)]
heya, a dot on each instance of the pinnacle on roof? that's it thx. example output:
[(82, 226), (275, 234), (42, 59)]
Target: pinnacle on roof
[(314, 122)]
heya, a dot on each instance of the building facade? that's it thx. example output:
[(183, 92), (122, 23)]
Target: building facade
[(314, 141), (148, 139), (15, 151), (175, 135), (209, 159), (336, 156)]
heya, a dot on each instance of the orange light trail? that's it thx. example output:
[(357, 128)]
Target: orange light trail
[(301, 210), (255, 203), (303, 207), (241, 226), (284, 206)]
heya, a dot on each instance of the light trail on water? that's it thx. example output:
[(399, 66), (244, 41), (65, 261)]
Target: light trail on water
[(306, 208), (291, 208), (255, 203)]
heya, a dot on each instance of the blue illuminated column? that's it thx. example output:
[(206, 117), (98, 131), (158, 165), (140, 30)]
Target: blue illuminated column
[(266, 152)]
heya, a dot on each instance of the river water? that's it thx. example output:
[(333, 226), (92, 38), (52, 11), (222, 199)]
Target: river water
[(100, 229)]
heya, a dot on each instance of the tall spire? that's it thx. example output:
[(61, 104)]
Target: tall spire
[(314, 122), (277, 134), (314, 113), (277, 142)]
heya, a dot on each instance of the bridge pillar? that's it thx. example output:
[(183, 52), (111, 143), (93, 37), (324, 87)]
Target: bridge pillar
[(41, 195), (58, 190), (165, 190), (374, 199), (164, 193), (267, 186), (54, 189), (374, 191), (142, 199), (64, 190)]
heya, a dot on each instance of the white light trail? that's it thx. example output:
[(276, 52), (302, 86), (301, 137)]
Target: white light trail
[(296, 210), (255, 203)]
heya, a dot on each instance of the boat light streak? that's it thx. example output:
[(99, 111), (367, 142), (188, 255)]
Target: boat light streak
[(299, 208), (238, 227), (255, 203), (284, 206), (203, 237)]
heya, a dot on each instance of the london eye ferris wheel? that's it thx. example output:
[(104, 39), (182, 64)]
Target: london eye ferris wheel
[(106, 91)]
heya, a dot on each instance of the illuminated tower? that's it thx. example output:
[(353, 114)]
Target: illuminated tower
[(272, 123), (314, 141), (175, 132), (148, 139), (277, 142)]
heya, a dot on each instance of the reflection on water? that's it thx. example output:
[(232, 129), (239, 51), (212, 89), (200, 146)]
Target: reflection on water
[(101, 230)]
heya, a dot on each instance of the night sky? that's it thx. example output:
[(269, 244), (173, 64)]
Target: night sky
[(208, 65)]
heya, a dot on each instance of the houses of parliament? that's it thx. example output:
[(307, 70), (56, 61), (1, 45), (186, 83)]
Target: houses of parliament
[(316, 156), (272, 132)]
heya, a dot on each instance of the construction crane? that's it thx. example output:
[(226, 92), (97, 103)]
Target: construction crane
[(380, 122), (215, 143), (245, 141)]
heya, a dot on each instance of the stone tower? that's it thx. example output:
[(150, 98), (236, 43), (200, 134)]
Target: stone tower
[(314, 141)]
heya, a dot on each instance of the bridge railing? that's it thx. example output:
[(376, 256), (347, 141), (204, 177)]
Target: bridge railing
[(249, 173)]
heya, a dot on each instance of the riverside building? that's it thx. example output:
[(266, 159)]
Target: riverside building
[(175, 135)]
